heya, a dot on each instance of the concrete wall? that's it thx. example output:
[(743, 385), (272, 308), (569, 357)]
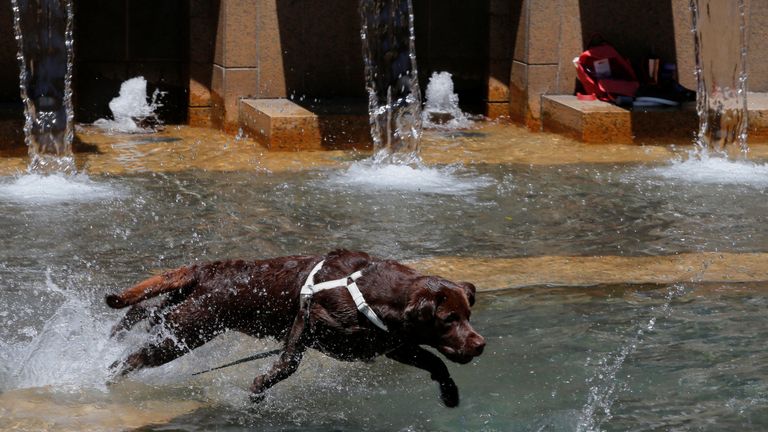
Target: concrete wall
[(507, 53), (284, 48), (119, 39), (114, 40), (311, 49)]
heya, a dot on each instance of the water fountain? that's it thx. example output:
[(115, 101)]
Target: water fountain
[(131, 111), (394, 98), (43, 30), (581, 357), (394, 106), (721, 61), (720, 44), (441, 109)]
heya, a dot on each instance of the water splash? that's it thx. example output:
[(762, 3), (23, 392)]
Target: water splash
[(416, 178), (394, 98), (43, 31), (131, 111), (70, 350), (54, 188), (605, 384), (719, 28), (707, 168), (441, 110)]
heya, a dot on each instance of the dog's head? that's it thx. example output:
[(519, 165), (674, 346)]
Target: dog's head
[(438, 311)]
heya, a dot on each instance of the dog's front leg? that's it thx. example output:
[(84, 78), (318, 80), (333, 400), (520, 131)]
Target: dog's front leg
[(414, 355), (286, 364)]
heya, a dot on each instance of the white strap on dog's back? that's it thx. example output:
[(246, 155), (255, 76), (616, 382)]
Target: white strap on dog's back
[(310, 288)]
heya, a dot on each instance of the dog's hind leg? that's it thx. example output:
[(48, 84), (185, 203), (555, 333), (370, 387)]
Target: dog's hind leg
[(286, 364), (140, 312), (189, 325), (414, 355)]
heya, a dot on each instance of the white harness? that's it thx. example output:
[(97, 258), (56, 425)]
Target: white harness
[(310, 288)]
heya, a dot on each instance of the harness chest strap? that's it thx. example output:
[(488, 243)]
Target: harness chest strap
[(310, 288)]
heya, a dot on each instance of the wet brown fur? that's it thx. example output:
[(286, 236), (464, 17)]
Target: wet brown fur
[(261, 299)]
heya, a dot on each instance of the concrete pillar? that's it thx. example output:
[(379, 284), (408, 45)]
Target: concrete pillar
[(548, 36), (235, 67), (757, 54)]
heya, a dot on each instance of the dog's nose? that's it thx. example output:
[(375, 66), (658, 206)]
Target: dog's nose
[(476, 345)]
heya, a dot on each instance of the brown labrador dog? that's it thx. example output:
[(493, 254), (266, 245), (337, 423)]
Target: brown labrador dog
[(261, 299)]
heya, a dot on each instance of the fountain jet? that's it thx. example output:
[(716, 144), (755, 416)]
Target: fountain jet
[(719, 28), (43, 30), (394, 98)]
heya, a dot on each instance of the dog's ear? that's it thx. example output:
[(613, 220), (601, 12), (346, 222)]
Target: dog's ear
[(421, 308), (469, 290)]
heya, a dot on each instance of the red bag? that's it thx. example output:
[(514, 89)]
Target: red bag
[(605, 73)]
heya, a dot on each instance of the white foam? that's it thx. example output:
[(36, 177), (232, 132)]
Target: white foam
[(706, 169), (54, 188), (131, 106), (442, 101), (410, 178)]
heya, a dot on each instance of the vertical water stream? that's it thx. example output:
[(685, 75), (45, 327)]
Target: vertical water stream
[(719, 28), (43, 30), (394, 98)]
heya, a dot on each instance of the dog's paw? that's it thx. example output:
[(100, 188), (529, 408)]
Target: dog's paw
[(449, 393), (257, 389)]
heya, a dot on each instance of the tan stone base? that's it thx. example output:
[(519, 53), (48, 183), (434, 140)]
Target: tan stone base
[(497, 110), (602, 122), (757, 104), (280, 124), (200, 116), (40, 409), (490, 274)]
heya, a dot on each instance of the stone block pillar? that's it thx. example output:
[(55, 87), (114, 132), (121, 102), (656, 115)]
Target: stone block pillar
[(235, 66), (548, 36)]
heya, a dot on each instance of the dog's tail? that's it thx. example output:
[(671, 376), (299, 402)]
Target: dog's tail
[(156, 285)]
